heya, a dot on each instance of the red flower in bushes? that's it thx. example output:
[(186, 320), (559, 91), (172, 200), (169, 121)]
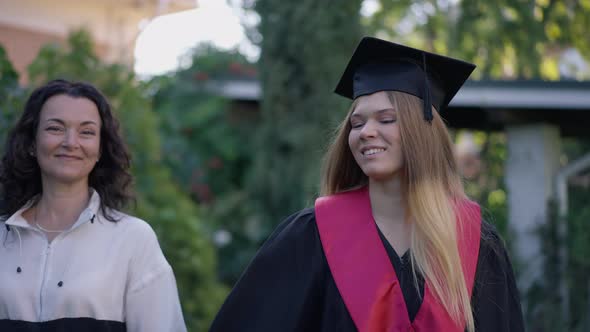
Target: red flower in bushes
[(201, 76), (215, 163)]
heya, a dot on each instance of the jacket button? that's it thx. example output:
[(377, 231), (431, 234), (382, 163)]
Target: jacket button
[(59, 284)]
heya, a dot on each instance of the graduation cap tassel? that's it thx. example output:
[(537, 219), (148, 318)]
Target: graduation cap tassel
[(427, 102)]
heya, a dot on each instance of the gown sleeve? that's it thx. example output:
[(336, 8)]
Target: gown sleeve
[(281, 288), (495, 298)]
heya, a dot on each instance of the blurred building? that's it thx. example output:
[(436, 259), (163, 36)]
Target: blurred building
[(27, 25)]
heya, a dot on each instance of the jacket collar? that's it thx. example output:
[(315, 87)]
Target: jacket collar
[(90, 213)]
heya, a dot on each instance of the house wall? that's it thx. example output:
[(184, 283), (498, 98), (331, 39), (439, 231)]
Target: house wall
[(22, 46), (26, 25)]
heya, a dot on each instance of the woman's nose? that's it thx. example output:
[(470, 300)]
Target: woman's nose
[(70, 139), (368, 130)]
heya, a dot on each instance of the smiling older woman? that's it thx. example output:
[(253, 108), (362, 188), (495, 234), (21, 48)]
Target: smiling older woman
[(71, 261)]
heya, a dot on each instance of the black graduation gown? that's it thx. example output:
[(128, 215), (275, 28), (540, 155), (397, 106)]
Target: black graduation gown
[(288, 286)]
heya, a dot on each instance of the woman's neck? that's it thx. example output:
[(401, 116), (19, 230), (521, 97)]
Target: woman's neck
[(387, 204), (60, 206), (387, 201)]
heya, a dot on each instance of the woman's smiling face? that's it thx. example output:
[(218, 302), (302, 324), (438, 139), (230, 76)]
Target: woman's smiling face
[(374, 138), (68, 139)]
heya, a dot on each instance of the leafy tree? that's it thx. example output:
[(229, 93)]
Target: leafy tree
[(10, 95), (488, 187), (506, 38), (171, 213), (207, 144), (578, 244), (305, 46), (544, 296), (542, 312), (205, 134)]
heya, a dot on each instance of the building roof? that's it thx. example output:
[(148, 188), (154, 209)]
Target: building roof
[(495, 104), (491, 105)]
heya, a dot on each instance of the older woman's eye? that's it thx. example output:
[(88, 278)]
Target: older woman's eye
[(53, 128)]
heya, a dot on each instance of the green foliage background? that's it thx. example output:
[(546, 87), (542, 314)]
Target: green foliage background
[(208, 146), (508, 39), (304, 46), (160, 201)]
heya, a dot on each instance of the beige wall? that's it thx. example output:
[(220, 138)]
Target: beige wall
[(23, 45), (26, 25)]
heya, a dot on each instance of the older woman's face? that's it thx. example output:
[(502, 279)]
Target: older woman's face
[(68, 139), (374, 138)]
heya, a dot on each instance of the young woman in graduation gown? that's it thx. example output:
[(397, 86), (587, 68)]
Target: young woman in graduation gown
[(393, 244)]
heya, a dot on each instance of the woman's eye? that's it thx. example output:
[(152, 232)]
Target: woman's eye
[(356, 125), (54, 128), (88, 132), (389, 120)]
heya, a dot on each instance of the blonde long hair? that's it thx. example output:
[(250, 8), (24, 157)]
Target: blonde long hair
[(430, 184)]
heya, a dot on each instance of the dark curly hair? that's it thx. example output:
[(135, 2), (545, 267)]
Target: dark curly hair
[(20, 175)]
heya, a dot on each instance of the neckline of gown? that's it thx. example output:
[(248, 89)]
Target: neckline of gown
[(403, 270)]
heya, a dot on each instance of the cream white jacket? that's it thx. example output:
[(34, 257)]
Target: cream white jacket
[(97, 276)]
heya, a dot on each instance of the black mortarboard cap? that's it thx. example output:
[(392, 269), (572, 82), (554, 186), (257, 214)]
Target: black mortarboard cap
[(379, 65)]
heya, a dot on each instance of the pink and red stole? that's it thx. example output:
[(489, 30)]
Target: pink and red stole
[(363, 272)]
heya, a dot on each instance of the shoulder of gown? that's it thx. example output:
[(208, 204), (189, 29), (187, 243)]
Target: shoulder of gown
[(495, 298), (284, 284)]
